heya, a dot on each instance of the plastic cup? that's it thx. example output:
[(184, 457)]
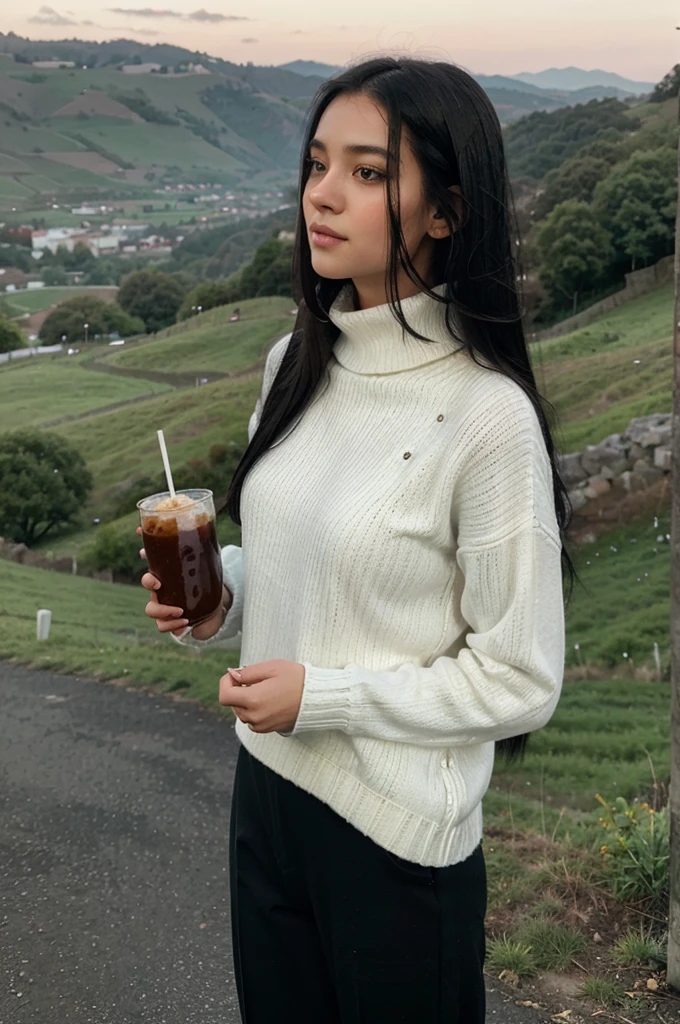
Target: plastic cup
[(182, 551)]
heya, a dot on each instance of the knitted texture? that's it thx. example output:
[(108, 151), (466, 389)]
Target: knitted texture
[(400, 541)]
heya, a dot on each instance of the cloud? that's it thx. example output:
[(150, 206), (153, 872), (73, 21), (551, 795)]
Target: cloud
[(249, 39), (209, 17), (48, 16), (145, 12), (123, 28), (213, 17)]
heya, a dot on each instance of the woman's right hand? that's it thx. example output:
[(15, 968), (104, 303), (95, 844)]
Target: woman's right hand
[(170, 619)]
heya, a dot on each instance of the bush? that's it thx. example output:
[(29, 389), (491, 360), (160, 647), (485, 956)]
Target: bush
[(115, 549), (152, 296), (207, 296), (11, 337), (102, 319), (636, 854)]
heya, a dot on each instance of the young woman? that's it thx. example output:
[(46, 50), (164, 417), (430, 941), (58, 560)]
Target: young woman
[(399, 586)]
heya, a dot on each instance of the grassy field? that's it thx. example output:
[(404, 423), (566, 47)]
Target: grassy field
[(42, 298), (602, 376), (41, 390), (144, 143), (214, 343), (122, 444), (97, 628)]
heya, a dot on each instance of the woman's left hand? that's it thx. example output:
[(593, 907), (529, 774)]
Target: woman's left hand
[(265, 696)]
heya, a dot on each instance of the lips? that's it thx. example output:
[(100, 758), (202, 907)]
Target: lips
[(319, 229)]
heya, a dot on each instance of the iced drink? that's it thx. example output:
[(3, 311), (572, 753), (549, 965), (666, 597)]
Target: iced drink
[(182, 551)]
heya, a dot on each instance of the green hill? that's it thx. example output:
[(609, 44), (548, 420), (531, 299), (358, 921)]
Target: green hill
[(210, 342), (86, 131), (111, 406), (39, 391)]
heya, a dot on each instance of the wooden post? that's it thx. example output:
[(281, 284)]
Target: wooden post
[(673, 965)]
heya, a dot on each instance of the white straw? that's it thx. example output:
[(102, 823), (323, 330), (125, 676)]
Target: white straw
[(166, 463)]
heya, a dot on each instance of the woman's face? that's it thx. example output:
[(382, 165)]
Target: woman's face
[(347, 192)]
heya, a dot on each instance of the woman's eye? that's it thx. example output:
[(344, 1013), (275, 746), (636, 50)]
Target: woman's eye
[(371, 171), (364, 172)]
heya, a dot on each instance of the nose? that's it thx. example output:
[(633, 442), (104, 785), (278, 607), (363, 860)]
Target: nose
[(326, 194)]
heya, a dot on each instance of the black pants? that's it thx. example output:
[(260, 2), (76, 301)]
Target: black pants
[(330, 928)]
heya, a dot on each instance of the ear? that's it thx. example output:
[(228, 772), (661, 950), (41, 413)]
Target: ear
[(438, 227)]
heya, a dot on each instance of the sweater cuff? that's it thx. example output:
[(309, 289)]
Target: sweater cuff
[(326, 700)]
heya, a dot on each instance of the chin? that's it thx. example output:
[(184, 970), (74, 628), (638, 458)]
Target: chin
[(332, 269)]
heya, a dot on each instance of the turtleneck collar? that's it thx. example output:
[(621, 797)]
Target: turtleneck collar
[(373, 341)]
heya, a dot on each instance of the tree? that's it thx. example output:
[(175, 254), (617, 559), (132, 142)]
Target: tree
[(668, 87), (102, 318), (152, 296), (44, 484), (636, 203), (269, 273), (208, 295), (575, 251), (575, 179), (54, 276), (11, 337)]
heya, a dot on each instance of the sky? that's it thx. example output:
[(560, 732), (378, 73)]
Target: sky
[(637, 40)]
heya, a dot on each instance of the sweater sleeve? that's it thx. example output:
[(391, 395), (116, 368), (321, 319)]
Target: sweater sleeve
[(231, 554), (507, 679)]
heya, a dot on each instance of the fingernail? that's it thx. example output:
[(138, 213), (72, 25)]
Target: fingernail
[(235, 673)]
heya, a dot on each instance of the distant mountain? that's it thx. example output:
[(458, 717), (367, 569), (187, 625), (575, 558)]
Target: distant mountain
[(570, 79), (310, 67), (512, 96)]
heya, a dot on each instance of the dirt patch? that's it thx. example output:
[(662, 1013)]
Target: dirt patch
[(617, 508), (99, 104), (86, 161)]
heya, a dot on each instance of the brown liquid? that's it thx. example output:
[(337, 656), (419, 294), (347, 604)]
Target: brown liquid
[(188, 564)]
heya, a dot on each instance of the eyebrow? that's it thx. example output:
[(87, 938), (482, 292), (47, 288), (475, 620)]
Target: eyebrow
[(355, 149)]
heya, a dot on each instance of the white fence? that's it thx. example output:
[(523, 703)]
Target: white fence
[(32, 350)]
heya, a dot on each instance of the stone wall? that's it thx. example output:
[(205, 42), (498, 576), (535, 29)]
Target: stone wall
[(634, 459), (638, 282), (24, 555)]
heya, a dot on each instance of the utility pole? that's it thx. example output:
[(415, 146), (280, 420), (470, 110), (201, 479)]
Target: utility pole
[(673, 964)]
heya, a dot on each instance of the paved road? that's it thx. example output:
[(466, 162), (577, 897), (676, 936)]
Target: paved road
[(114, 809)]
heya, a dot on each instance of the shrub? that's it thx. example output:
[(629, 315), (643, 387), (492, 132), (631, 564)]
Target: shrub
[(636, 854)]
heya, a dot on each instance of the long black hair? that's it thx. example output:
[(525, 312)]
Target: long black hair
[(456, 138)]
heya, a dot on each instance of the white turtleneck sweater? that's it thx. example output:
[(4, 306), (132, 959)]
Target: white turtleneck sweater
[(400, 541)]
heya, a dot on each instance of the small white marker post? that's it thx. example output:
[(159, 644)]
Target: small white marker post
[(44, 619)]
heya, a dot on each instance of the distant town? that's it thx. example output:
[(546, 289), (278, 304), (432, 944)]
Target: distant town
[(105, 230)]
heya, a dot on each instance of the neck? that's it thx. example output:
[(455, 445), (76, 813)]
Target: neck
[(369, 292), (372, 340)]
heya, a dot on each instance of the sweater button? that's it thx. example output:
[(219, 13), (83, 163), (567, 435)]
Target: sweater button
[(445, 762), (440, 417), (407, 455)]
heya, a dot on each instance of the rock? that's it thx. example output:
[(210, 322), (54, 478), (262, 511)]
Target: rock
[(636, 452), (638, 427), (650, 474), (18, 553), (571, 470), (652, 984), (597, 486), (662, 458), (598, 455), (577, 498), (633, 481), (653, 438)]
